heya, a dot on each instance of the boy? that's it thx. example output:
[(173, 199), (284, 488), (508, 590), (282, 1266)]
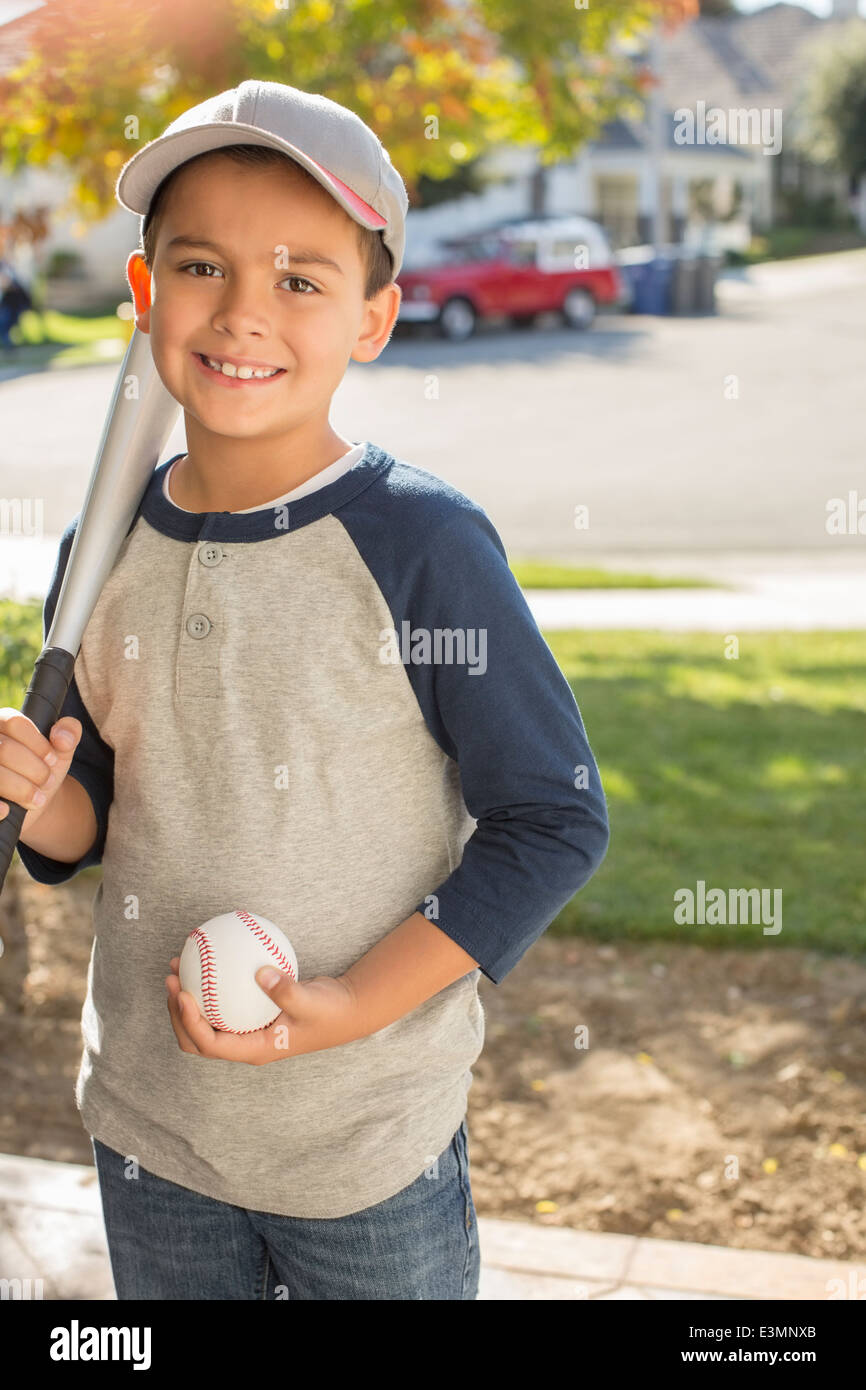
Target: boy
[(311, 689)]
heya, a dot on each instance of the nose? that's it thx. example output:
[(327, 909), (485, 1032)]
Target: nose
[(243, 307)]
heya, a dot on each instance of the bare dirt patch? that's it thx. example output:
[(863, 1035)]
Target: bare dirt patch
[(720, 1098)]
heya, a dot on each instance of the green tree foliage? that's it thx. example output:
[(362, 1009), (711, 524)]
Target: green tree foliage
[(832, 126), (440, 81)]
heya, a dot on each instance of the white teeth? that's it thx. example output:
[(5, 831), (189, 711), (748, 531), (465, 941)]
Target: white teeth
[(229, 369)]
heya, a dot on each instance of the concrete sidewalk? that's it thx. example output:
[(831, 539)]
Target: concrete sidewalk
[(791, 278), (770, 591), (787, 591), (51, 1230), (769, 603)]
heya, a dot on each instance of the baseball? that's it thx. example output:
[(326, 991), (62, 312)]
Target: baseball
[(218, 967)]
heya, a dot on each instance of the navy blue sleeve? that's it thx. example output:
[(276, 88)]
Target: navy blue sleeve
[(508, 717), (93, 762)]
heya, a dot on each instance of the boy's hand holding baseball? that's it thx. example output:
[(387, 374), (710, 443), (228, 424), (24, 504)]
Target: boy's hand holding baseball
[(316, 1014)]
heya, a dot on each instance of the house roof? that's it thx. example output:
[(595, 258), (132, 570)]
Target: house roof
[(757, 58), (635, 135), (748, 60), (17, 20)]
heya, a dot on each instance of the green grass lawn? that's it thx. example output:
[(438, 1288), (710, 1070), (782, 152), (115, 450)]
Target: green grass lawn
[(50, 338), (532, 574), (780, 243), (747, 773), (744, 773)]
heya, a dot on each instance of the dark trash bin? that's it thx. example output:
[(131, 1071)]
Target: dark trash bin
[(665, 282), (685, 290), (708, 270)]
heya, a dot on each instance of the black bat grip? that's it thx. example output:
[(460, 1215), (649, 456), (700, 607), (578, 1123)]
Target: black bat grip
[(43, 701)]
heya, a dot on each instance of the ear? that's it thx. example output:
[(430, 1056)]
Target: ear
[(138, 276), (379, 320)]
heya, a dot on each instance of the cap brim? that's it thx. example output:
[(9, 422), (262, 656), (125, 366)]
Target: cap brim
[(144, 172)]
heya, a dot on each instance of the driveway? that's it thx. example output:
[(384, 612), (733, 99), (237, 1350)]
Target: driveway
[(689, 441)]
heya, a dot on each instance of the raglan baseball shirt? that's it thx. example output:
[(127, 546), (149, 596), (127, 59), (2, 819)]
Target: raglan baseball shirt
[(334, 711)]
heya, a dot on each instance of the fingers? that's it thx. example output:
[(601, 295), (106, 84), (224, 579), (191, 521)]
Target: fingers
[(198, 1038), (21, 729), (23, 772), (187, 1044), (30, 792), (18, 727), (31, 766), (195, 1025)]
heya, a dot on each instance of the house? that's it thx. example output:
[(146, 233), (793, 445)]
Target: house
[(32, 203), (646, 176), (642, 179), (759, 62)]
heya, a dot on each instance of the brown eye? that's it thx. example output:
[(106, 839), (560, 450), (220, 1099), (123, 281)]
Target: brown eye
[(196, 265), (301, 280)]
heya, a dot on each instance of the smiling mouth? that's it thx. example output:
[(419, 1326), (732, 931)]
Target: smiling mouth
[(229, 372)]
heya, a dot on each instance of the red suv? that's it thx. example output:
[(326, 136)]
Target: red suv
[(520, 270)]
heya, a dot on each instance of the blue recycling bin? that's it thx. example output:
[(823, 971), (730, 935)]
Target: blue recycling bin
[(654, 286), (650, 280), (628, 274)]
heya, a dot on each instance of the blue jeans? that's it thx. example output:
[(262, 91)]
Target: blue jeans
[(168, 1242)]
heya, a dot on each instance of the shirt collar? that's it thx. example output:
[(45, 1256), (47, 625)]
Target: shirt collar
[(262, 524)]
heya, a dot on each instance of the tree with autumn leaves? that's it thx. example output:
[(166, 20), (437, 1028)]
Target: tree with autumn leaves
[(440, 81)]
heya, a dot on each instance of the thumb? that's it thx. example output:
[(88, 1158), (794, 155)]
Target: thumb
[(279, 986), (65, 736)]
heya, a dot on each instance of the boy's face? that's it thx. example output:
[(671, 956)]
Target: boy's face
[(253, 299)]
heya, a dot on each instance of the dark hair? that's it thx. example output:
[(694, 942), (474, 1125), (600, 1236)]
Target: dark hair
[(374, 253)]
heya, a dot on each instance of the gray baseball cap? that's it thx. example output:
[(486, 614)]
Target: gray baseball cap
[(342, 153)]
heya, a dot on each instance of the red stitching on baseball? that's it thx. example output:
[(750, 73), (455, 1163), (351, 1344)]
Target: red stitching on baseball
[(209, 991), (209, 995), (267, 941)]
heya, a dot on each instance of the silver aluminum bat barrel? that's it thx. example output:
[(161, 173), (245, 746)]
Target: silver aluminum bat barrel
[(140, 419)]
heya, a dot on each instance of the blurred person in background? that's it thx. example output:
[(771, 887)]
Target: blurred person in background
[(14, 299)]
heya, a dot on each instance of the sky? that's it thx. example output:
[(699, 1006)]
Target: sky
[(14, 9), (819, 7)]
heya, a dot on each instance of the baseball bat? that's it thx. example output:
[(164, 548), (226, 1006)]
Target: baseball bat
[(140, 418)]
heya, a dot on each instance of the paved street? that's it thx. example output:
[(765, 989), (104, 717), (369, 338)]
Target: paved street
[(630, 420)]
